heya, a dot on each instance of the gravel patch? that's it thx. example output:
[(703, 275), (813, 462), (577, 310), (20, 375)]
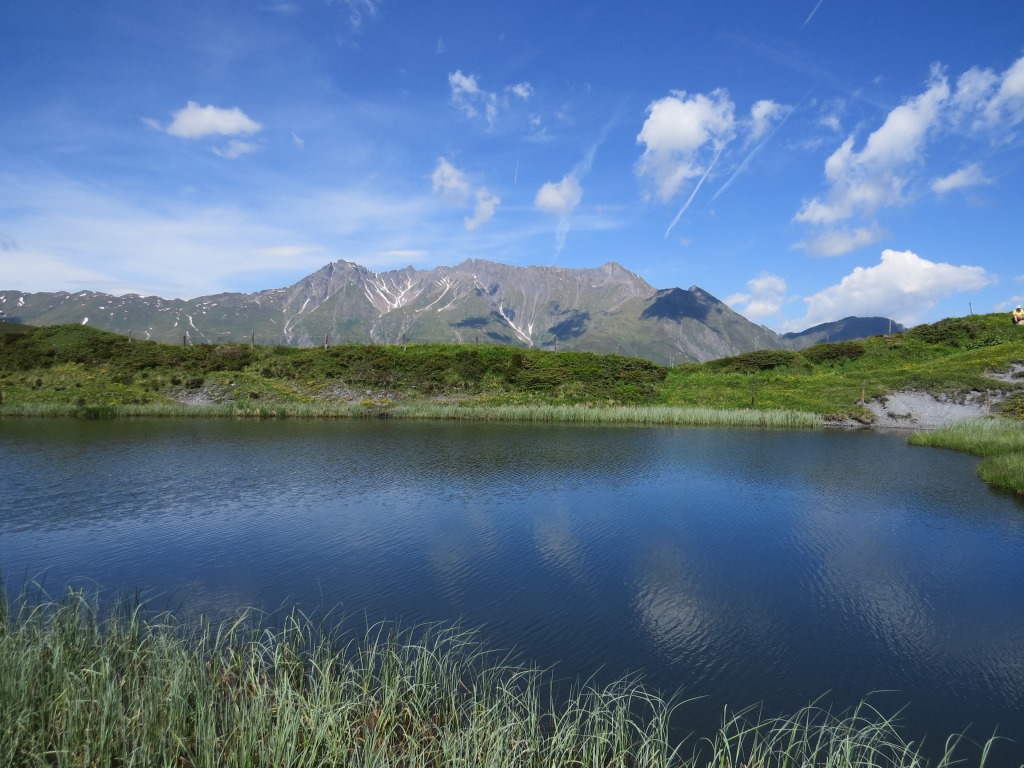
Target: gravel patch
[(913, 410), (916, 410)]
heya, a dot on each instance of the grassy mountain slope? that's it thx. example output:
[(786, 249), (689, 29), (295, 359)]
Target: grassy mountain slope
[(82, 365)]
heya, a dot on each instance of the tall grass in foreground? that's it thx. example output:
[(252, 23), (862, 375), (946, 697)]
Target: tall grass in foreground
[(547, 414), (998, 440), (83, 687)]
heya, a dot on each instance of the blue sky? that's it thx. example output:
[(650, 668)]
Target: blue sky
[(802, 161)]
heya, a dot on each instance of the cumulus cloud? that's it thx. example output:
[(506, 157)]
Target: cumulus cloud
[(523, 90), (764, 115), (863, 181), (196, 122), (891, 165), (968, 176), (991, 101), (467, 96), (902, 286), (486, 204), (681, 136), (448, 181), (764, 297), (560, 199)]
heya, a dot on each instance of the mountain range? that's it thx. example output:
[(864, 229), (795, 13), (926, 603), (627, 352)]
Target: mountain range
[(604, 309)]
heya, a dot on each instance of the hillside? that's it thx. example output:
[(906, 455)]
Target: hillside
[(606, 309), (84, 367)]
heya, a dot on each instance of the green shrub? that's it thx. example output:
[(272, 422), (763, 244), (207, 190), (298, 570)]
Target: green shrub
[(760, 360), (969, 332), (1013, 406)]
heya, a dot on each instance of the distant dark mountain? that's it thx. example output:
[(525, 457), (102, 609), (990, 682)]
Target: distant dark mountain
[(843, 330), (607, 309)]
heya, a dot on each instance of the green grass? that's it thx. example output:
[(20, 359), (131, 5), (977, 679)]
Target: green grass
[(80, 686), (84, 367), (1000, 441), (949, 357)]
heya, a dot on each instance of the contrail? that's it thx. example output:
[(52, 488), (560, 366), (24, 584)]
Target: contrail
[(692, 194), (811, 14), (757, 149), (515, 179)]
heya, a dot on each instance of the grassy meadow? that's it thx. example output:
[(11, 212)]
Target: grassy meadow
[(85, 686)]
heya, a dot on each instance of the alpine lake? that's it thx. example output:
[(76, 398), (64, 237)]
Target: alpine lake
[(737, 567)]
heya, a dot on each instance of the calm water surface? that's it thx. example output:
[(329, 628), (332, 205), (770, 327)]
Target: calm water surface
[(740, 566)]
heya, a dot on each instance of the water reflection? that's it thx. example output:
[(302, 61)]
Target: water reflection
[(740, 566)]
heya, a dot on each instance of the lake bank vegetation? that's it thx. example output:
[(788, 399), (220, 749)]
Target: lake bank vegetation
[(999, 441), (83, 686), (77, 371)]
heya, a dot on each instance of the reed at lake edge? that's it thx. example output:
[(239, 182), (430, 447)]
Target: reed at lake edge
[(84, 686), (537, 413), (999, 441)]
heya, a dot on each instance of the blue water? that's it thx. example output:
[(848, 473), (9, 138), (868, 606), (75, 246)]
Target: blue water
[(737, 566)]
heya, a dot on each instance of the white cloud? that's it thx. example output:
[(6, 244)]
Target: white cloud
[(987, 102), (969, 176), (764, 115), (902, 286), (1007, 104), (449, 181), (195, 122), (766, 295), (358, 10), (235, 148), (891, 165), (74, 236), (839, 241), (486, 204), (679, 134), (467, 95), (523, 90), (862, 182), (560, 200)]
